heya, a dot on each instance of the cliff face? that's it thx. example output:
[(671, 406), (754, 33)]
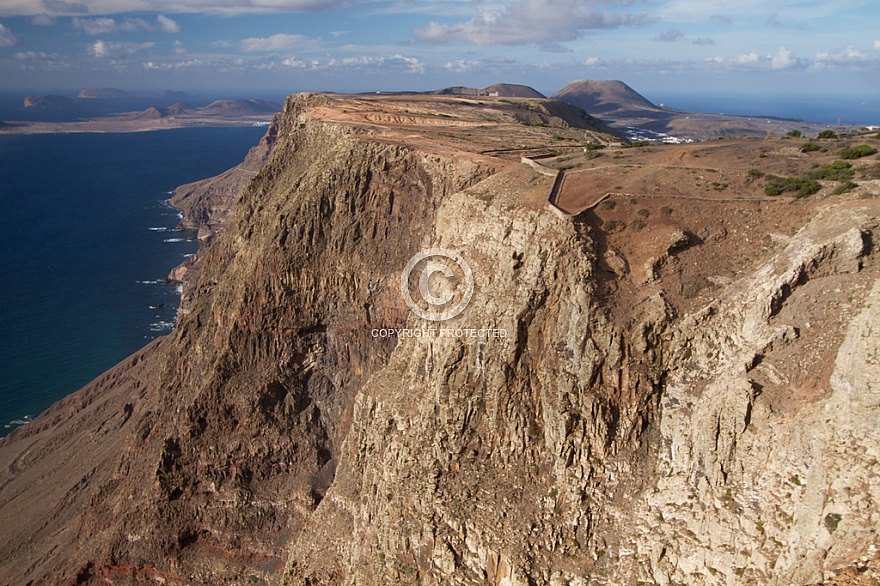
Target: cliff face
[(625, 430)]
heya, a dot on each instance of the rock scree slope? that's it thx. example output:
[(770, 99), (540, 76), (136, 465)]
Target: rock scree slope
[(687, 399)]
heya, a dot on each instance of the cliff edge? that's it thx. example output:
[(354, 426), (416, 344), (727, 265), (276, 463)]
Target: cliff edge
[(685, 391)]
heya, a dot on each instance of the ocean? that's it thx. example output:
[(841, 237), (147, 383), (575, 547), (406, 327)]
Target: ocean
[(86, 238)]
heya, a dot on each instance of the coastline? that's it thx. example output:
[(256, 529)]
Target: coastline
[(129, 123), (207, 206), (222, 184)]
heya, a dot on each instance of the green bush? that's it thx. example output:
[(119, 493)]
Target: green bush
[(794, 133), (809, 147), (846, 187), (856, 152), (836, 171), (827, 134), (802, 186), (755, 174)]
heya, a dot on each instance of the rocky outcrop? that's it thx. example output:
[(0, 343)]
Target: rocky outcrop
[(272, 438)]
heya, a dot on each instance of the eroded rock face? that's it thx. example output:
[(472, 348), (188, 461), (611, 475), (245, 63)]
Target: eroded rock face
[(728, 438)]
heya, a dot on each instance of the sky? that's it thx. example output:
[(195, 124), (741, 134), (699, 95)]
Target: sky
[(664, 47)]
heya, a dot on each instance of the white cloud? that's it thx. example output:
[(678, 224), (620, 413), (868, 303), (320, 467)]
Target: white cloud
[(166, 25), (748, 58), (783, 59), (277, 42), (409, 64), (7, 39), (107, 26), (529, 21), (173, 65), (849, 57), (105, 7), (294, 62), (178, 48), (102, 49)]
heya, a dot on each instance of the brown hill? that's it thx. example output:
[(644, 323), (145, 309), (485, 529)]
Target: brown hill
[(179, 108), (621, 106), (239, 108), (151, 113), (501, 90), (606, 96), (49, 102)]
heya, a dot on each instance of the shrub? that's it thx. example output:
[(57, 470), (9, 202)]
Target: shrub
[(755, 174), (612, 225), (643, 213), (666, 210), (802, 186), (595, 147), (809, 147), (606, 204), (637, 224), (794, 133), (827, 134), (856, 152), (836, 171), (846, 187)]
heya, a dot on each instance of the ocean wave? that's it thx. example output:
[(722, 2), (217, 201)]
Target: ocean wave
[(176, 240), (24, 420), (161, 326), (159, 229), (188, 255), (148, 282)]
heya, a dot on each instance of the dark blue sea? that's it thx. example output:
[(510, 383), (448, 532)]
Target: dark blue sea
[(85, 240)]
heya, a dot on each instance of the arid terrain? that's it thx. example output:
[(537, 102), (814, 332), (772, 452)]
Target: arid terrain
[(622, 107), (687, 393)]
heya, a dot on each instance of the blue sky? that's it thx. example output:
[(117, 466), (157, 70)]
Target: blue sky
[(666, 46)]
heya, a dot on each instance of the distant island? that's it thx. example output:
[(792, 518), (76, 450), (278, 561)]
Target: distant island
[(178, 115), (49, 102), (111, 92)]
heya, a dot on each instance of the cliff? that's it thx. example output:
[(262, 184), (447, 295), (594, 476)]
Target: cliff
[(686, 392)]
